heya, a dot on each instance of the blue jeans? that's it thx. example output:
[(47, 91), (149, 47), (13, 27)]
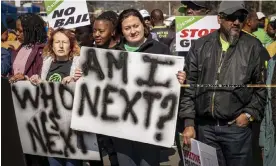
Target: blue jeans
[(53, 161), (233, 143)]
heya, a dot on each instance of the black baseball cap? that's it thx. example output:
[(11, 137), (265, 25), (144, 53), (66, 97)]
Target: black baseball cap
[(230, 7)]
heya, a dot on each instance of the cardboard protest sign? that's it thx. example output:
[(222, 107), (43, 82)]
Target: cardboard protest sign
[(208, 154), (43, 115), (129, 95), (67, 13), (199, 154), (10, 141), (190, 28)]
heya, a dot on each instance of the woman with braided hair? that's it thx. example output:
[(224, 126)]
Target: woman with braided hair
[(27, 59), (105, 36), (104, 30), (267, 139)]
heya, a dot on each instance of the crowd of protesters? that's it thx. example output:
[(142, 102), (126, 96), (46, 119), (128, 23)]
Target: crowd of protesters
[(242, 51)]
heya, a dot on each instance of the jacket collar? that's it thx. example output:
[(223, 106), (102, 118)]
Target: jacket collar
[(249, 33), (148, 43), (35, 48), (34, 53), (217, 36)]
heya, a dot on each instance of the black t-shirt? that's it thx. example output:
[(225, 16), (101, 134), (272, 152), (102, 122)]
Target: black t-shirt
[(59, 70)]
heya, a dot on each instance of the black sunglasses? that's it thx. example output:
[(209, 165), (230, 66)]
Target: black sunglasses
[(235, 16)]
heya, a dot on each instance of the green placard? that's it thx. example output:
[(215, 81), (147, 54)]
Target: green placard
[(51, 5), (182, 22)]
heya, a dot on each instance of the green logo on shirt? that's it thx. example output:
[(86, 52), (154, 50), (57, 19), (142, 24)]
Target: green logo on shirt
[(55, 77)]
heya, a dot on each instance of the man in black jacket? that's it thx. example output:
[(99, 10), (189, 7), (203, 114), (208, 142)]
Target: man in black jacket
[(220, 114)]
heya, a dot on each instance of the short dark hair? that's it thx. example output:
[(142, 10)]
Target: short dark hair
[(250, 15), (110, 16), (131, 12), (157, 15), (33, 29)]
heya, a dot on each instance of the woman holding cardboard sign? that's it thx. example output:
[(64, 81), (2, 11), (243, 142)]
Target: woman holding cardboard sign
[(132, 27), (26, 56), (60, 59), (104, 34), (27, 59)]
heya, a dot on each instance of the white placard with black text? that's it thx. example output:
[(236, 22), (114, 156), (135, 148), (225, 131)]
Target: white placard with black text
[(128, 95)]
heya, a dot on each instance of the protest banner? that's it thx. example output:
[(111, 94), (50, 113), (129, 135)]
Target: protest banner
[(190, 28), (67, 13), (43, 115), (128, 95), (199, 154), (10, 141)]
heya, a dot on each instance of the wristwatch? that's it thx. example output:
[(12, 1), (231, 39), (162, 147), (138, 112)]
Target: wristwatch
[(249, 117)]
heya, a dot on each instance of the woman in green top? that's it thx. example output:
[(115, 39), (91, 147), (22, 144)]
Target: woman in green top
[(135, 39), (135, 34)]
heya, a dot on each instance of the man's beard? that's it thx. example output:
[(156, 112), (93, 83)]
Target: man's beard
[(231, 36)]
